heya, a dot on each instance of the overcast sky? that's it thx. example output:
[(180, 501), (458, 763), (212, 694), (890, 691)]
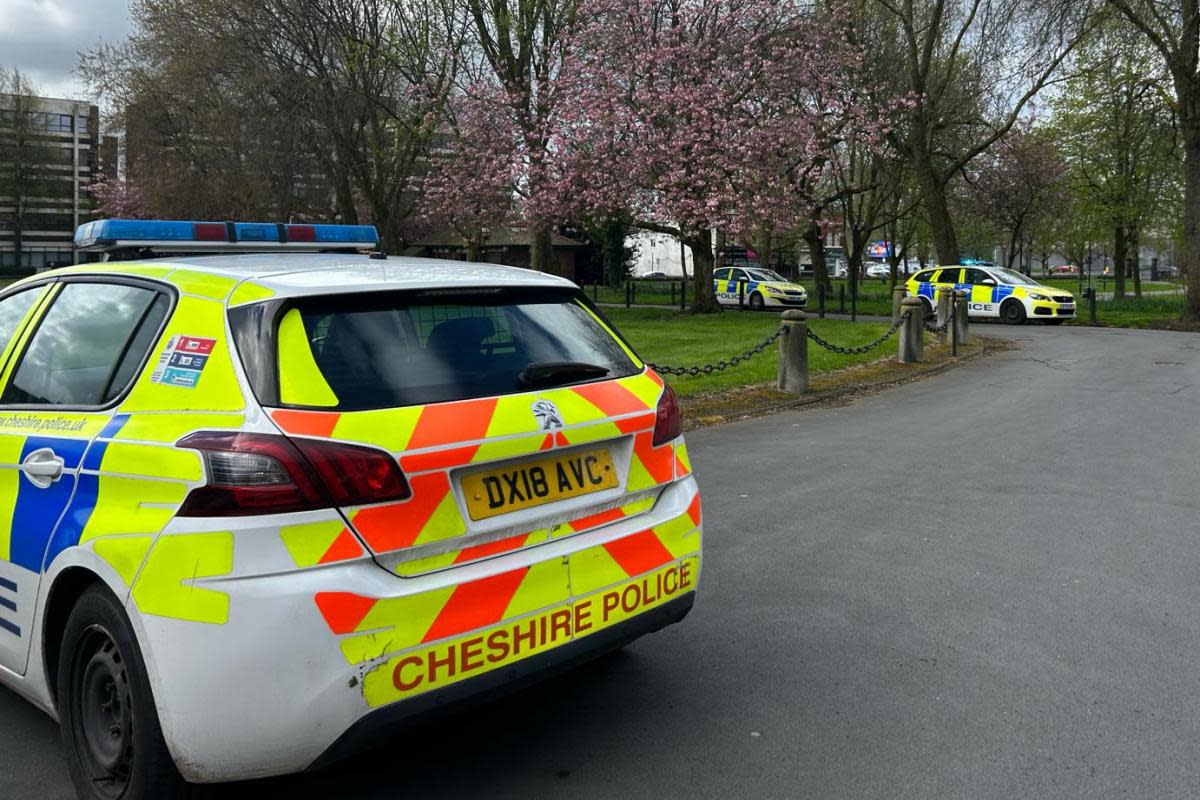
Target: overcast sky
[(42, 38)]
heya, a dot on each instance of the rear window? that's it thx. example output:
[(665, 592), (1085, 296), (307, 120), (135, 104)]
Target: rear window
[(399, 349)]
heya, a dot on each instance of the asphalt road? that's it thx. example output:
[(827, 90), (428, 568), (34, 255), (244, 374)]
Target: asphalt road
[(1020, 619)]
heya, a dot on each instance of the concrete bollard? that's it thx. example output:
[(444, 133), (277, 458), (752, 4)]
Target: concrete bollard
[(944, 293), (793, 352), (898, 294), (912, 331), (960, 317)]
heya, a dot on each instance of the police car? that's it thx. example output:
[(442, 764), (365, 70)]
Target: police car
[(756, 288), (995, 292), (258, 508)]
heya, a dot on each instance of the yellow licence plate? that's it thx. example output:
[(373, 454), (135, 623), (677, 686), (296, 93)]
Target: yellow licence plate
[(533, 483)]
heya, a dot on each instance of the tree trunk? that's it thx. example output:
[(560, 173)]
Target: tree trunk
[(541, 250), (472, 250), (1120, 257), (933, 196), (703, 299), (1135, 246), (1190, 122), (816, 254)]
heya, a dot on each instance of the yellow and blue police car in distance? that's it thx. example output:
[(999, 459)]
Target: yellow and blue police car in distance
[(256, 508), (757, 288), (995, 292)]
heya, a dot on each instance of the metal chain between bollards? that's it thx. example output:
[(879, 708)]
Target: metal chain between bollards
[(723, 364), (939, 329), (866, 348)]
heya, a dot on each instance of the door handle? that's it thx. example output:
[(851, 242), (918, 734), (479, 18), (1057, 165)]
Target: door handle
[(42, 467)]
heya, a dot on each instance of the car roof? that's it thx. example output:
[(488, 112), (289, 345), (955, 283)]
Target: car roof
[(299, 274)]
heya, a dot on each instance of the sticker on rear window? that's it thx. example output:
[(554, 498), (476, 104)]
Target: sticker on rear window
[(182, 361)]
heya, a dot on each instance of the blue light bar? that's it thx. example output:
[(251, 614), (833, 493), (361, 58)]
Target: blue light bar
[(174, 235)]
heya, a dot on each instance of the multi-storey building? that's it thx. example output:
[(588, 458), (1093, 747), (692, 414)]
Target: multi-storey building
[(59, 153)]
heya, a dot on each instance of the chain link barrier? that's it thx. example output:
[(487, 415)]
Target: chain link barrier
[(866, 348), (940, 330), (723, 364)]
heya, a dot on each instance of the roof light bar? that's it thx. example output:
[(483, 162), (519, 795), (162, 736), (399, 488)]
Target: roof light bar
[(179, 236)]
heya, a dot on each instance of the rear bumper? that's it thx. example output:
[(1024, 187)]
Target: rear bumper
[(384, 722), (309, 664)]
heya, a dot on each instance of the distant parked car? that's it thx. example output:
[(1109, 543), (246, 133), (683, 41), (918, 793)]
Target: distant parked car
[(1064, 269), (878, 270), (653, 276)]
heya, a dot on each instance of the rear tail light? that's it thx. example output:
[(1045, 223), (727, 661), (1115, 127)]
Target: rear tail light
[(668, 420), (251, 473)]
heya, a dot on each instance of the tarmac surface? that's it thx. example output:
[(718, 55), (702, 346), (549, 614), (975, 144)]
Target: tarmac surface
[(985, 584)]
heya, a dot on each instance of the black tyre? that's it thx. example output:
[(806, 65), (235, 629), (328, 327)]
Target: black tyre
[(114, 745), (1013, 312), (756, 302), (928, 306)]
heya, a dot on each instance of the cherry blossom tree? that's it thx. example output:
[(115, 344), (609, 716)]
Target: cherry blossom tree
[(693, 116), (118, 199)]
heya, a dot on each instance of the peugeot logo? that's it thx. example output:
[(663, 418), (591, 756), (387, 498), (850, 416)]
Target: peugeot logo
[(547, 414)]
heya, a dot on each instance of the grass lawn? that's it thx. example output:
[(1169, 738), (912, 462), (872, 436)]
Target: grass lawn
[(681, 340), (1148, 312), (1072, 285)]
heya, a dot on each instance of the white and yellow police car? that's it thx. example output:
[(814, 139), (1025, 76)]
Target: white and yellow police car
[(995, 292), (255, 509), (757, 288)]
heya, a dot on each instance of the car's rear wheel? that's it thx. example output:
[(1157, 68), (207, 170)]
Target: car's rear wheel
[(1013, 312), (114, 745), (928, 306), (756, 302)]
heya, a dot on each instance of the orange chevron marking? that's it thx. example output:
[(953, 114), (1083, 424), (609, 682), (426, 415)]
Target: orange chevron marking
[(548, 442), (693, 510), (635, 424), (447, 423), (658, 461), (610, 397), (397, 525), (639, 553), (343, 610), (654, 376), (440, 459), (476, 604), (491, 548), (343, 548), (306, 423), (595, 520), (681, 469)]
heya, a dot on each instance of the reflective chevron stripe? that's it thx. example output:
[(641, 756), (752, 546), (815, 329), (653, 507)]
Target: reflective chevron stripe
[(377, 627)]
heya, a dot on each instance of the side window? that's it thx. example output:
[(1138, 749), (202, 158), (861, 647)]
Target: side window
[(923, 276), (84, 342), (949, 276), (738, 275), (975, 277), (12, 310), (722, 274)]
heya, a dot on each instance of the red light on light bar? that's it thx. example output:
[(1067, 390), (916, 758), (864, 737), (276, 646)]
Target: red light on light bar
[(210, 232), (301, 233)]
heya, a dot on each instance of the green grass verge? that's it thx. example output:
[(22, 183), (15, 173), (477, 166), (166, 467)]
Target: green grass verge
[(1131, 312), (681, 340), (1072, 285)]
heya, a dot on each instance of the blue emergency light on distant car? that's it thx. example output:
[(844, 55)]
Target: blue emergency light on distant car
[(116, 234)]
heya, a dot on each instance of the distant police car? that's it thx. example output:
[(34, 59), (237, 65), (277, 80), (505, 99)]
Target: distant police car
[(257, 508), (757, 288), (996, 292)]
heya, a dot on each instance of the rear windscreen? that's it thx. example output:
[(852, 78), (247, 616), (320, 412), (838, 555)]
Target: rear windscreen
[(400, 349)]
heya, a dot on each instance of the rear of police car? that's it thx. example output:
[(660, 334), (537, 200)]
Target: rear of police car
[(452, 479)]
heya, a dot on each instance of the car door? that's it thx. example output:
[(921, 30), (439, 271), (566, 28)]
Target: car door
[(66, 371), (721, 282), (738, 283), (981, 289)]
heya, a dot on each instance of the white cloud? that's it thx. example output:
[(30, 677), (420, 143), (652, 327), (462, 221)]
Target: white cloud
[(43, 38)]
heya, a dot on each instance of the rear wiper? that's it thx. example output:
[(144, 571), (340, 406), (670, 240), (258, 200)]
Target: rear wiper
[(554, 373)]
